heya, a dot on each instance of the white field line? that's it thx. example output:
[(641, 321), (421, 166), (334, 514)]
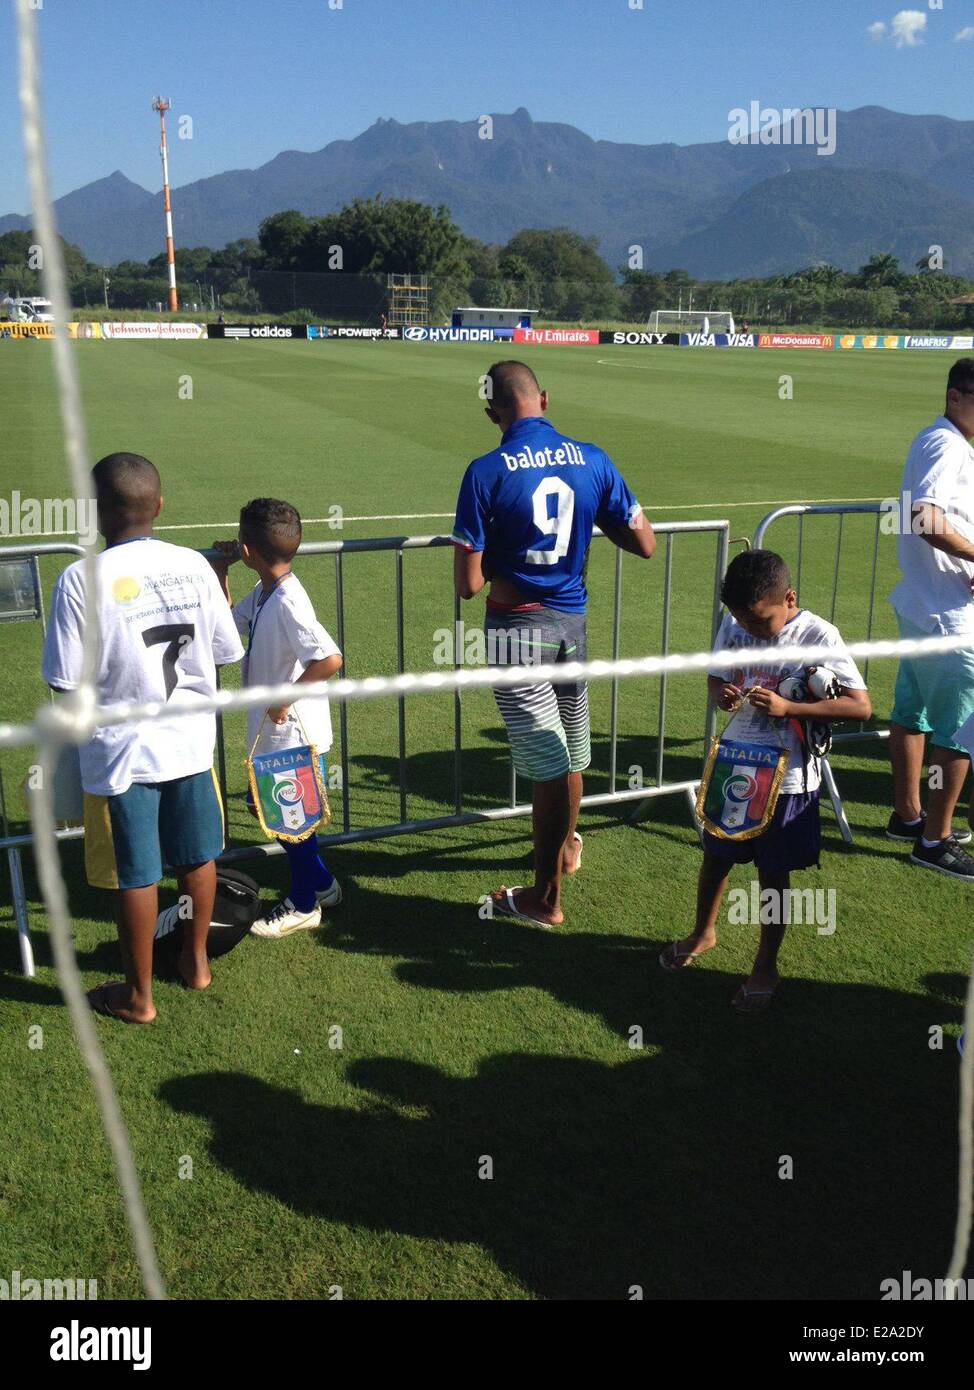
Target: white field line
[(447, 516)]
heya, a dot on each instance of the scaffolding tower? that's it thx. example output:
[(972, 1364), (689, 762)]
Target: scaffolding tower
[(409, 300)]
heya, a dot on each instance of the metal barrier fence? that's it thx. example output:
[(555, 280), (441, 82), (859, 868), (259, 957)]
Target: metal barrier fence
[(398, 545), (14, 843), (841, 510)]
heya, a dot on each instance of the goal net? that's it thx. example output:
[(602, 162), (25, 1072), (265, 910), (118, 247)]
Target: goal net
[(690, 321), (54, 727)]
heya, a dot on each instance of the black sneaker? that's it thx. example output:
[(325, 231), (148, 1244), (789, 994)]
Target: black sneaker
[(945, 858), (899, 829)]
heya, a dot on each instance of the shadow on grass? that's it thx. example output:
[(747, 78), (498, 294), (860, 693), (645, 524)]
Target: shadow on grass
[(485, 769), (661, 1171)]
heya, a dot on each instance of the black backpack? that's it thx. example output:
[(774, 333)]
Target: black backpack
[(235, 908)]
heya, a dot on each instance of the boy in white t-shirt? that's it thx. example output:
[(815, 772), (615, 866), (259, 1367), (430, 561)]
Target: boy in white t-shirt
[(286, 644), (764, 613), (150, 792)]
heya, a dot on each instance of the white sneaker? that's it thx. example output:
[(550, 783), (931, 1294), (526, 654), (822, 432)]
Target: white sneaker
[(285, 919), (330, 897)]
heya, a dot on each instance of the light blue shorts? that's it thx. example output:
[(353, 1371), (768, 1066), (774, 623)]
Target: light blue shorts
[(934, 694)]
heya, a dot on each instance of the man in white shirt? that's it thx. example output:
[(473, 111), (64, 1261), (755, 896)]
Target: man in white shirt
[(935, 695), (150, 793)]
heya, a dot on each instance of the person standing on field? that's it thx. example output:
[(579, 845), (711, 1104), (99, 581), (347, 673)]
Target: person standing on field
[(935, 694), (151, 794), (524, 523)]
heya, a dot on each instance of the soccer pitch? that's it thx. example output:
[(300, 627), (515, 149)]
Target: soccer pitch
[(614, 1167)]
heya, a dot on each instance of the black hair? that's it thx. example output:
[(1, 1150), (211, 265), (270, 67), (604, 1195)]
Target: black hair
[(752, 576), (961, 375), (272, 528), (127, 486), (510, 382)]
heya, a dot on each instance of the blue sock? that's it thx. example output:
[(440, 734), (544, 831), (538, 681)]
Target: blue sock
[(308, 873)]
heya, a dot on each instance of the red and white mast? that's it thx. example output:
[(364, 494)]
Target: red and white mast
[(161, 104)]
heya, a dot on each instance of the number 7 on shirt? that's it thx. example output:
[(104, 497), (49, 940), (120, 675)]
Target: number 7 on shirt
[(176, 636)]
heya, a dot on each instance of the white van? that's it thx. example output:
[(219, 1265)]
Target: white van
[(35, 309)]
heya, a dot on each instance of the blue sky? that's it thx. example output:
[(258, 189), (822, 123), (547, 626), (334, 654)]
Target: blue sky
[(259, 76)]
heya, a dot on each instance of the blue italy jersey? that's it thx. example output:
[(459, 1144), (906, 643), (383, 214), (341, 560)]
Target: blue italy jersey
[(531, 504)]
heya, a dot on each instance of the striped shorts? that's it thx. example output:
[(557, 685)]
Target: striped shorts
[(548, 725)]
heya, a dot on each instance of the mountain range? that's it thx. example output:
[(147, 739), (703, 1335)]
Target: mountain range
[(897, 183)]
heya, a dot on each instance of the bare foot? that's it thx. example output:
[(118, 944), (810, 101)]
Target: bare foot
[(756, 993), (527, 904), (571, 855), (114, 999), (678, 955), (193, 976)]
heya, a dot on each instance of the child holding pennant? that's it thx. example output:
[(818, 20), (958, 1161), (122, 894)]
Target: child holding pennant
[(286, 644), (758, 800)]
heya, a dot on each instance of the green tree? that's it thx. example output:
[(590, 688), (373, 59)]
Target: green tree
[(16, 271), (385, 236), (190, 262), (239, 256), (564, 272), (282, 238), (642, 291), (881, 269)]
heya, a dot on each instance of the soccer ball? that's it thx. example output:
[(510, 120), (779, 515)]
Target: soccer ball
[(823, 684), (793, 688)]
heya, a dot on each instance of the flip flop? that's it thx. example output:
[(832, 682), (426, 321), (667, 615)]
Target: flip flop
[(510, 909), (578, 861), (669, 956), (741, 1000), (98, 1000)]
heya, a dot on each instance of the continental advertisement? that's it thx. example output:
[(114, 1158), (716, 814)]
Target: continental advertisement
[(26, 330)]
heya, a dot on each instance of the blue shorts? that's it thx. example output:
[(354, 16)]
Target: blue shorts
[(934, 694), (130, 836), (792, 841)]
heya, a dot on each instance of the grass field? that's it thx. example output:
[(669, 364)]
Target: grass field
[(613, 1166)]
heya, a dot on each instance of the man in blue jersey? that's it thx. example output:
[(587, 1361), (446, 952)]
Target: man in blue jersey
[(524, 523)]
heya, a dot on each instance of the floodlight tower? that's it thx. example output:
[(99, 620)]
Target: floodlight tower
[(162, 105)]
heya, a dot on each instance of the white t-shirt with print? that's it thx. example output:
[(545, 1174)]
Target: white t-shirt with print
[(284, 636), (805, 629), (935, 590), (163, 628)]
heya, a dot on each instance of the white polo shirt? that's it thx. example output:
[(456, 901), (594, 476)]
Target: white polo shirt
[(935, 590), (284, 636), (163, 628)]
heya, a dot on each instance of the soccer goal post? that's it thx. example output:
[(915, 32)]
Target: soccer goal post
[(690, 321)]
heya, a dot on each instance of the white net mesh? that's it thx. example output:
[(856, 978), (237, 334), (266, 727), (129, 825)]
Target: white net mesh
[(72, 721)]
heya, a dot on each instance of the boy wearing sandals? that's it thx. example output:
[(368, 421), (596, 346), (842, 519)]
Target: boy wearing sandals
[(763, 612), (285, 644)]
